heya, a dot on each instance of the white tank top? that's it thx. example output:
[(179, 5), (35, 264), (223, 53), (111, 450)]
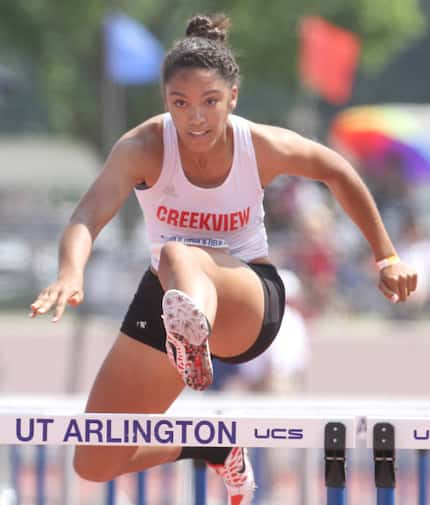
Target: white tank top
[(230, 215)]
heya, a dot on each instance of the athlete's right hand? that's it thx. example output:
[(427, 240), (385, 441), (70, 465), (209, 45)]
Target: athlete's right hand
[(57, 296)]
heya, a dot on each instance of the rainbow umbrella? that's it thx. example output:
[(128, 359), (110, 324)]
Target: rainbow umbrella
[(381, 137)]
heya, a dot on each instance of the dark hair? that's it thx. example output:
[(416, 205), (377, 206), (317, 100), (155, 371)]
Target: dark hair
[(205, 46)]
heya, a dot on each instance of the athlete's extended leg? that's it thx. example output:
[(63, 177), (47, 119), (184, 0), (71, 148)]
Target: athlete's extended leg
[(134, 378)]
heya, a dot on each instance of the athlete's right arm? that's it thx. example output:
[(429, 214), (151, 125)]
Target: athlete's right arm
[(125, 167)]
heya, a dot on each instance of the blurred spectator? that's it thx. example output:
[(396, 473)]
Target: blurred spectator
[(313, 237), (307, 243)]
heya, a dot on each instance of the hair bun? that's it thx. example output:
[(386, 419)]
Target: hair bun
[(209, 27)]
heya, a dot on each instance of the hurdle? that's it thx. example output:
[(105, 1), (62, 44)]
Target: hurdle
[(331, 425)]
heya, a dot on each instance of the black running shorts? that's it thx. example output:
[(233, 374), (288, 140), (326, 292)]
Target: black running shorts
[(143, 319)]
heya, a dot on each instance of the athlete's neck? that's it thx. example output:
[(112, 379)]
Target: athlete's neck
[(209, 168)]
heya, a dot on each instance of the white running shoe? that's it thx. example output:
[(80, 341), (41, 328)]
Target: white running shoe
[(238, 476), (187, 346)]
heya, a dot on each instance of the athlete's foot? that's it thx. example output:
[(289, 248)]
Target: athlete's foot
[(187, 346), (238, 477)]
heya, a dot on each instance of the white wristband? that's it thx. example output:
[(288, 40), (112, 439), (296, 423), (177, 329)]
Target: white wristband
[(386, 262)]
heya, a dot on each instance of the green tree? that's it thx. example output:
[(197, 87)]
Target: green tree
[(61, 42)]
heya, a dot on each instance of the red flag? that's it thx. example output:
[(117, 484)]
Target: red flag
[(328, 58)]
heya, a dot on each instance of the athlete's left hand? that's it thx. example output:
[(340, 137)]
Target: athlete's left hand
[(397, 282)]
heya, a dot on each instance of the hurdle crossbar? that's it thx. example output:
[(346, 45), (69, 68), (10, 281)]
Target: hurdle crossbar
[(224, 420), (254, 421)]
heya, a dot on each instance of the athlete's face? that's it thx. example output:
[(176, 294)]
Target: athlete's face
[(199, 101)]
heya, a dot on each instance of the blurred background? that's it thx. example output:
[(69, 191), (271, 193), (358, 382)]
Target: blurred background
[(353, 75)]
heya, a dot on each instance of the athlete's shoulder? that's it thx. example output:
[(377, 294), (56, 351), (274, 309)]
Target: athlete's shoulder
[(276, 149), (267, 135), (146, 138), (282, 151), (140, 150)]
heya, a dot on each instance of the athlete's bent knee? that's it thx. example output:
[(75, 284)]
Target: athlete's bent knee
[(89, 469), (171, 251)]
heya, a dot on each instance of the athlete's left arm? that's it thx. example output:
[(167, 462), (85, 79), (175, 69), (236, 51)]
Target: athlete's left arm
[(281, 151)]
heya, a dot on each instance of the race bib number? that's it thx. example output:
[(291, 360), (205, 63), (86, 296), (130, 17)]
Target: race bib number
[(215, 243)]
